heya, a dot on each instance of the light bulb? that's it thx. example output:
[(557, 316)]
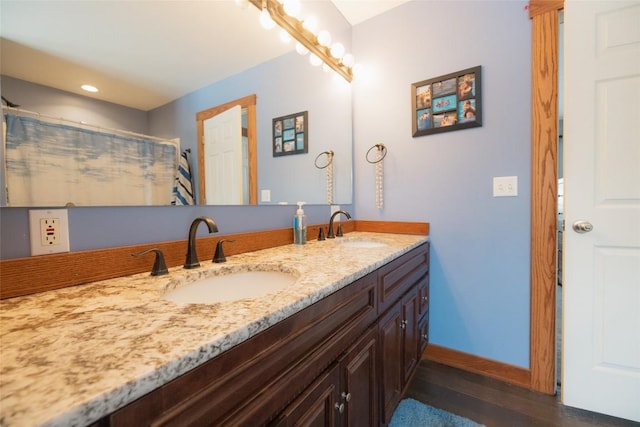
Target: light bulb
[(284, 36), (242, 4), (89, 88), (348, 60), (265, 20), (301, 49), (324, 38), (315, 60), (292, 8), (310, 24), (337, 50)]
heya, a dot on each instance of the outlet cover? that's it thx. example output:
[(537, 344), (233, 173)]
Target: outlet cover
[(505, 186), (48, 231)]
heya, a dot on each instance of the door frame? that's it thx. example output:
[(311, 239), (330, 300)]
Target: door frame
[(544, 192), (248, 102)]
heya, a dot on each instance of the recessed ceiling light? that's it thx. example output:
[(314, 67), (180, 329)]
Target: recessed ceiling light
[(89, 88)]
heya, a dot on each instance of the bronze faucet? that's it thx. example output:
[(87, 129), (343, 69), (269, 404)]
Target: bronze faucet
[(192, 256), (331, 235)]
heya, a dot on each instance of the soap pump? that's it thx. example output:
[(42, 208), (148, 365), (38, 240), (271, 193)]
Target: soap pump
[(300, 226)]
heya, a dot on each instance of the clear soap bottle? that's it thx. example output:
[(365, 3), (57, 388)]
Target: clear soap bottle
[(300, 226)]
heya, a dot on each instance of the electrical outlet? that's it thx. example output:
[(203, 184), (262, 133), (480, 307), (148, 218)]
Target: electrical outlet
[(505, 186), (265, 195), (48, 231)]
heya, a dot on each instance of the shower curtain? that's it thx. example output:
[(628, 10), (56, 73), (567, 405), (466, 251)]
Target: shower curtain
[(53, 164)]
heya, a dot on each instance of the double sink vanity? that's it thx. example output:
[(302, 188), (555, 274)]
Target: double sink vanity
[(329, 332)]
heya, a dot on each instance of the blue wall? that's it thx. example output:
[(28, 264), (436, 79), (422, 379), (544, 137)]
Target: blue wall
[(480, 244)]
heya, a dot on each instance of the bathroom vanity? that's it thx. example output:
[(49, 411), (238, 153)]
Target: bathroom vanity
[(337, 347)]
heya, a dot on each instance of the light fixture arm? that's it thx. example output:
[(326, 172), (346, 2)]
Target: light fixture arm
[(305, 37)]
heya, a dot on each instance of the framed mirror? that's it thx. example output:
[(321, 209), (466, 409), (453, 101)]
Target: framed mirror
[(282, 81)]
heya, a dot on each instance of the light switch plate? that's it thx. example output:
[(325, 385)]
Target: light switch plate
[(505, 186), (48, 231), (265, 195)]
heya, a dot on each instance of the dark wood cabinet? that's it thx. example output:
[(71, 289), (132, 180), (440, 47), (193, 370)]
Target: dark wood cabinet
[(317, 406), (360, 382), (343, 361), (391, 370), (401, 326), (344, 395)]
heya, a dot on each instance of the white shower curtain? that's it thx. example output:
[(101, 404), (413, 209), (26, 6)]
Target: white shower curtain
[(52, 164)]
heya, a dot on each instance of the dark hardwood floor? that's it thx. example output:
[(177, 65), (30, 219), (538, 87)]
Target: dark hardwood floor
[(495, 403)]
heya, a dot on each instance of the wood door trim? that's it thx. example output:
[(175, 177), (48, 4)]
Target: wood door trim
[(544, 187), (248, 102)]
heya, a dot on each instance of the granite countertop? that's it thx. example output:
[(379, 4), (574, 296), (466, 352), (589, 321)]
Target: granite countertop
[(71, 356)]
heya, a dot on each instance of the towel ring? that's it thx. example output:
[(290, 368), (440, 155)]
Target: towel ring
[(329, 155), (380, 147)]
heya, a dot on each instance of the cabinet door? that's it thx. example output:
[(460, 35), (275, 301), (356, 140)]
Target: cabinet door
[(360, 386), (390, 339), (319, 404), (423, 289), (423, 328), (411, 334)]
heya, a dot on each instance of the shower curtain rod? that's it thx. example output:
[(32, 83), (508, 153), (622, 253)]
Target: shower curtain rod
[(20, 111)]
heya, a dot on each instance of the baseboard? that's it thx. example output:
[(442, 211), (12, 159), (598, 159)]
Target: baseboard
[(479, 365)]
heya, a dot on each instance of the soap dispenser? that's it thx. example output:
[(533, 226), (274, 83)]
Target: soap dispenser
[(300, 226)]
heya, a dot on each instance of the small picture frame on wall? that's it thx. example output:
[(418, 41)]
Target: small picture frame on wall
[(291, 134), (446, 103)]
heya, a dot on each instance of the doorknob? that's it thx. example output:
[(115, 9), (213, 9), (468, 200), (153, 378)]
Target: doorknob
[(582, 226)]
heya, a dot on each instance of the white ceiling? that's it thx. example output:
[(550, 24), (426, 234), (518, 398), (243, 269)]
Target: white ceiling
[(138, 51)]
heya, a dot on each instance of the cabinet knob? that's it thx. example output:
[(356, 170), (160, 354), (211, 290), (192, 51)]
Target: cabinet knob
[(346, 396), (425, 337), (340, 407), (403, 324), (425, 298)]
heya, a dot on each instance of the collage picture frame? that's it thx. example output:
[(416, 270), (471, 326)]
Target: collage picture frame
[(446, 103), (291, 134)]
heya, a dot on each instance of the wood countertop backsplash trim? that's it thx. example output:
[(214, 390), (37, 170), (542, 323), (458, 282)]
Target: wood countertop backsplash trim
[(25, 276)]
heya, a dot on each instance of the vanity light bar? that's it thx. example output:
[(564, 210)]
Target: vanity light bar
[(305, 37)]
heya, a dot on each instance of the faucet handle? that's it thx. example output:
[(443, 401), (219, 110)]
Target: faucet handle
[(321, 234), (219, 255), (339, 231), (159, 266)]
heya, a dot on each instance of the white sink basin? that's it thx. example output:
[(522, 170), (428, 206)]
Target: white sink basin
[(231, 286), (363, 243)]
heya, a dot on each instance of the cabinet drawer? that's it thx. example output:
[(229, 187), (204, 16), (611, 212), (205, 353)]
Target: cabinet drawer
[(401, 274)]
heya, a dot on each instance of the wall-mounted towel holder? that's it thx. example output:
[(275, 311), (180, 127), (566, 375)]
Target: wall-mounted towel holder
[(327, 162), (380, 154)]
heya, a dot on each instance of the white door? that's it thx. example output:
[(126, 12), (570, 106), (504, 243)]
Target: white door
[(223, 158), (601, 284)]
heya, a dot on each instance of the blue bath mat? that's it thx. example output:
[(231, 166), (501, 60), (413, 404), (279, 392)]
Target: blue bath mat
[(411, 413)]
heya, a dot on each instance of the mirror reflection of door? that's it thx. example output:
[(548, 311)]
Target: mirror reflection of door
[(224, 160), (227, 165)]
